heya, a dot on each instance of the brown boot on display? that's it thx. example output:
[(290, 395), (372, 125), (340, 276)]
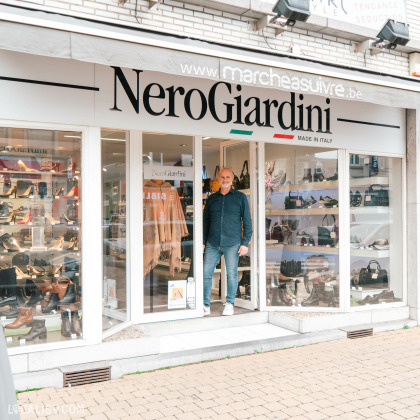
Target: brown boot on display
[(37, 331), (24, 317), (313, 300), (76, 326)]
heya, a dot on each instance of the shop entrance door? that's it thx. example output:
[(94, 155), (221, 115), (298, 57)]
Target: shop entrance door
[(240, 156)]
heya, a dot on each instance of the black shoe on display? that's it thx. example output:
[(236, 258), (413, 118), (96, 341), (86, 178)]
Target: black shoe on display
[(52, 304)]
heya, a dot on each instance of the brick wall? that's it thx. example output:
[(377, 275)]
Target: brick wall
[(200, 22)]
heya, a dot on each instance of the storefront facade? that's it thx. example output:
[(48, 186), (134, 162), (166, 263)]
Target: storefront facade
[(87, 145)]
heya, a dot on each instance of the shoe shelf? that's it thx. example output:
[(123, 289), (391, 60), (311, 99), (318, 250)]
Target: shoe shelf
[(370, 253), (321, 185), (320, 211), (362, 182), (304, 248), (369, 210), (35, 173)]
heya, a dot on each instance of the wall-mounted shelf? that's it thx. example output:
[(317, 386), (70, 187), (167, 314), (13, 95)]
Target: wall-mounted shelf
[(302, 212), (302, 248), (366, 181), (322, 185)]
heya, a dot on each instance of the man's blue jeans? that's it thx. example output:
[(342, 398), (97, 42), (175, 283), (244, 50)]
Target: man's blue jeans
[(212, 255)]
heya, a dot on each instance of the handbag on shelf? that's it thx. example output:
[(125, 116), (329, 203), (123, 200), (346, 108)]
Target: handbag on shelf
[(293, 201), (371, 275), (327, 232), (291, 268), (214, 183), (376, 195), (206, 181), (236, 184), (244, 182)]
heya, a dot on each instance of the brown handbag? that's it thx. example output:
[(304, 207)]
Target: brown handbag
[(62, 285), (45, 286), (214, 183)]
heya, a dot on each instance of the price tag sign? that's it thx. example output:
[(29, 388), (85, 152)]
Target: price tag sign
[(298, 203), (375, 275), (9, 339), (332, 234), (353, 288), (367, 198), (38, 307), (22, 342), (56, 275), (360, 288), (57, 198), (73, 336), (53, 311), (12, 223), (3, 318), (30, 223), (19, 277), (34, 277), (70, 223), (77, 274)]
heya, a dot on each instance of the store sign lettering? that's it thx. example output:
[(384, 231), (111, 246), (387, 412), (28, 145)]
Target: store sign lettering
[(170, 101)]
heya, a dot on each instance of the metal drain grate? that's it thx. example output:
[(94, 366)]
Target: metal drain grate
[(84, 377), (360, 333)]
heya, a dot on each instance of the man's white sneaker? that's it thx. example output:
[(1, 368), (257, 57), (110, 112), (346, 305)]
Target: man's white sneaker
[(228, 309), (206, 310)]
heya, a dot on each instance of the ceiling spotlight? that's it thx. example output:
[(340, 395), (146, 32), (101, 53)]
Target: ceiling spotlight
[(292, 10), (392, 34)]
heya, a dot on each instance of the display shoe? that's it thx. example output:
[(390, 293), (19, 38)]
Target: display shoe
[(313, 299), (24, 318), (52, 304), (26, 168), (355, 199), (66, 323), (289, 291), (35, 298), (303, 241), (58, 246), (307, 175), (308, 202), (35, 271), (324, 200), (331, 299), (283, 298), (369, 300), (59, 191), (55, 269), (10, 192), (380, 244), (20, 273), (76, 325), (301, 293), (331, 203), (334, 177), (385, 295), (38, 330), (13, 312), (70, 295), (51, 219), (318, 175), (27, 193), (27, 219), (64, 218), (72, 193), (14, 292)]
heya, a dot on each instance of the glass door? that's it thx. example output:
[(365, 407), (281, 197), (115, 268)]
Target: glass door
[(240, 157)]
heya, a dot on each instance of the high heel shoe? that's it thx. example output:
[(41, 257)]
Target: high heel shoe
[(27, 219), (12, 216), (58, 246), (10, 192), (65, 218), (26, 168), (35, 272), (27, 193), (59, 191), (20, 273), (56, 269), (72, 193), (51, 219)]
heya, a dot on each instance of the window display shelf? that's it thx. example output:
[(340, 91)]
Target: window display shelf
[(36, 173), (321, 185), (320, 211), (302, 248), (370, 253), (366, 181), (369, 210)]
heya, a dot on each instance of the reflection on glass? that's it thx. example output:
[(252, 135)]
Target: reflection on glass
[(169, 282), (40, 282), (375, 229), (302, 226), (114, 296)]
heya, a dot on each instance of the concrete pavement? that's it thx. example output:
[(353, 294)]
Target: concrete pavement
[(375, 377)]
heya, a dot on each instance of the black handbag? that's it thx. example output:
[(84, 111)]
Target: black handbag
[(371, 275), (244, 261), (325, 232), (376, 195), (236, 184), (293, 201), (291, 268), (244, 182)]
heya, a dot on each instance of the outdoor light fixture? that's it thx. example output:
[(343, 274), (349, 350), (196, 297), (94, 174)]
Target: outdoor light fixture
[(292, 10), (392, 34)]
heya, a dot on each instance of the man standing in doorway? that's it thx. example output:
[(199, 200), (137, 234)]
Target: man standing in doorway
[(226, 216)]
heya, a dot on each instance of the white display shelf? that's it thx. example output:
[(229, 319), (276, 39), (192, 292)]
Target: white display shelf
[(363, 291), (369, 253), (302, 212), (367, 181), (370, 210), (34, 173), (322, 185), (303, 248)]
